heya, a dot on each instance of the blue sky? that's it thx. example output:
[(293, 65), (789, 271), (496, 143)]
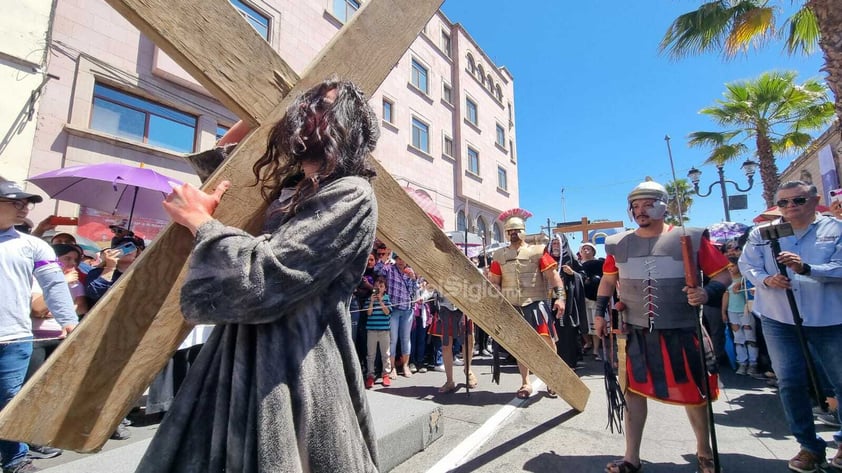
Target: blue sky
[(594, 100)]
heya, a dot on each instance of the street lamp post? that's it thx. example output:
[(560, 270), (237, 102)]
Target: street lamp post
[(749, 168)]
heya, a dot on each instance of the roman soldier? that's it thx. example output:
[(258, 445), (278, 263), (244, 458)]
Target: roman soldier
[(523, 273), (661, 313)]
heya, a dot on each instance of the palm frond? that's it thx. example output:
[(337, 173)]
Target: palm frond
[(697, 31), (792, 141), (699, 139), (803, 32), (726, 153), (753, 25)]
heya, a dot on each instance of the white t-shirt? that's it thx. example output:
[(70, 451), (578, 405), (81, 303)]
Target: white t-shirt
[(23, 257)]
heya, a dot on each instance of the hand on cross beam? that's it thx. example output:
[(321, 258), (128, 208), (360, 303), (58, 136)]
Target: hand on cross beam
[(191, 207)]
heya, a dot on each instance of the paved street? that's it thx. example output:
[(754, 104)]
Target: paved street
[(490, 431)]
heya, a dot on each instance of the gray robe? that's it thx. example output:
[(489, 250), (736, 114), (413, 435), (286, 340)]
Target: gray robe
[(277, 386)]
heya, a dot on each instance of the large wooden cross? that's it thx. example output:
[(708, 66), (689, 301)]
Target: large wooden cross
[(86, 387), (585, 226)]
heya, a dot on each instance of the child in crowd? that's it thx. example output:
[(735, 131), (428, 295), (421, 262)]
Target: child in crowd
[(736, 313), (378, 327)]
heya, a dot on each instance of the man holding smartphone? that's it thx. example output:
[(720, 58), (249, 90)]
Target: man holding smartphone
[(813, 259)]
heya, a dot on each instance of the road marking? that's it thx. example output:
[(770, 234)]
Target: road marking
[(463, 452)]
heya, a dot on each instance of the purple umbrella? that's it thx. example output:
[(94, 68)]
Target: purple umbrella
[(110, 187), (724, 231)]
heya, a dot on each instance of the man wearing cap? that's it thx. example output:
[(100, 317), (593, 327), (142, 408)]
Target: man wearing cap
[(523, 272), (661, 315), (593, 275), (22, 258)]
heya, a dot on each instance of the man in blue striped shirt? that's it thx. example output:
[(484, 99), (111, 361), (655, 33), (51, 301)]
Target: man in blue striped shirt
[(813, 257)]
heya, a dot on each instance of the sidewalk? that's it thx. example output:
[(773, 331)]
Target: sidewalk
[(541, 435)]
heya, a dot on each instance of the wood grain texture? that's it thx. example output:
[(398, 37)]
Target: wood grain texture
[(413, 235), (211, 41), (89, 383)]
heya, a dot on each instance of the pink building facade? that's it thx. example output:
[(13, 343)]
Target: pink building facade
[(447, 111)]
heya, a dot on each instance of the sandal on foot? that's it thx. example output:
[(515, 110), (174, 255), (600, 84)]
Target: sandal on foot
[(622, 466), (706, 464), (524, 392), (551, 394), (393, 374), (836, 462), (447, 388), (472, 380)]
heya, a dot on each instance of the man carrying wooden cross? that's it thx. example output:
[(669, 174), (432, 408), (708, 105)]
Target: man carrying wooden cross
[(256, 399)]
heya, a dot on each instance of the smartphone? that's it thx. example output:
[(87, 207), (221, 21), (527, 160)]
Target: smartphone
[(126, 248), (836, 195), (56, 220)]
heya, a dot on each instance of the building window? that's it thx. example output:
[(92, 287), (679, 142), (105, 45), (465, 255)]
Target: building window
[(481, 72), (499, 93), (419, 76), (388, 108), (447, 93), (137, 119), (257, 20), (512, 149), (461, 221), (221, 131), (471, 108), (482, 228), (490, 82), (420, 135), (445, 43), (345, 9), (447, 147), (472, 67), (502, 181), (473, 161), (498, 234), (501, 136)]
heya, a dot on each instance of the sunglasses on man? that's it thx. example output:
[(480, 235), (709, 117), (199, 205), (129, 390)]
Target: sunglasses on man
[(797, 201)]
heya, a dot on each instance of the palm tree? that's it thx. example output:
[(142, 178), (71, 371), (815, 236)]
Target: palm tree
[(733, 26), (680, 191), (771, 110)]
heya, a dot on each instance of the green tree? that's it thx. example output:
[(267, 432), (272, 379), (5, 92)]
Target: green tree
[(771, 112), (733, 26), (681, 191)]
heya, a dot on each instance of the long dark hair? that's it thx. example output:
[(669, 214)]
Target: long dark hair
[(338, 136)]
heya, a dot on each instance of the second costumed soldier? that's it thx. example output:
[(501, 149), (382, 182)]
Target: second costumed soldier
[(661, 314), (523, 272)]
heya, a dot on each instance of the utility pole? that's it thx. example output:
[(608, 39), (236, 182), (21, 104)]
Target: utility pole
[(549, 229), (563, 206)]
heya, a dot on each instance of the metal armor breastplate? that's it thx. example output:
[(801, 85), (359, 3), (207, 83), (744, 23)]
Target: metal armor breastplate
[(522, 281), (652, 278)]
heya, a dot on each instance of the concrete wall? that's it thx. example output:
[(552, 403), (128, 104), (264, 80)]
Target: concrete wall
[(25, 24)]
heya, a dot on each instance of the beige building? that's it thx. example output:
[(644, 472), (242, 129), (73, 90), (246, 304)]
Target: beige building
[(447, 110), (25, 25), (824, 154)]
